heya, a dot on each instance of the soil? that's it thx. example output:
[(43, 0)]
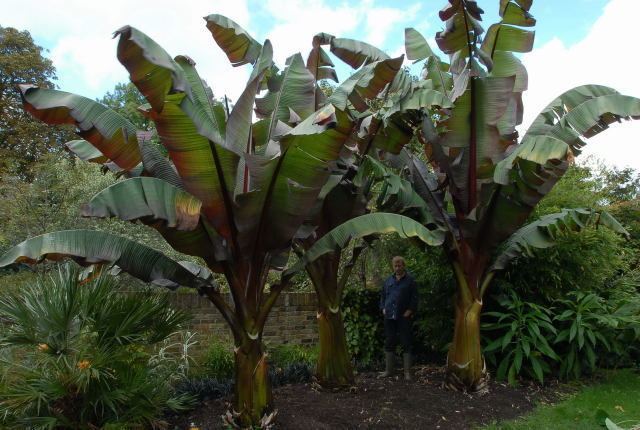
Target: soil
[(389, 403)]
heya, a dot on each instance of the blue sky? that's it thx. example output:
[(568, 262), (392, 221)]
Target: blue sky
[(577, 41)]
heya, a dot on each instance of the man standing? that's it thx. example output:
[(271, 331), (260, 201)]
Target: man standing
[(398, 303)]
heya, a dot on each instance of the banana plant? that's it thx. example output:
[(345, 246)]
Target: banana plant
[(233, 192), (344, 199), (480, 181)]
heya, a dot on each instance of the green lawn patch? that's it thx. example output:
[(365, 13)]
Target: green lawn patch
[(617, 393)]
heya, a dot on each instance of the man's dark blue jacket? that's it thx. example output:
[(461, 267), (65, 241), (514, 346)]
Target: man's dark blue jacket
[(398, 295)]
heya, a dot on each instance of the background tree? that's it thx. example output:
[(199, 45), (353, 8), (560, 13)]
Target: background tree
[(126, 100), (22, 139)]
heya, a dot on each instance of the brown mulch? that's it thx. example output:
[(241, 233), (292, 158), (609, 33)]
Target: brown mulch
[(389, 403)]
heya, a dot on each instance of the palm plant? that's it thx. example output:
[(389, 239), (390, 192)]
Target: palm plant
[(233, 192), (76, 355), (484, 182)]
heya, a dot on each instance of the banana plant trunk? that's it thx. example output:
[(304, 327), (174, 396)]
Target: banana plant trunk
[(334, 368), (252, 396), (466, 367)]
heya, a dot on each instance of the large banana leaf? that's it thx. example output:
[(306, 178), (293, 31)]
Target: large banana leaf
[(397, 195), (365, 84), (293, 90), (86, 151), (520, 181), (415, 45), (356, 53), (107, 131), (174, 213), (320, 65), (462, 29), (156, 165), (472, 144), (366, 225), (94, 247), (546, 231), (583, 112), (239, 46), (241, 117), (287, 186), (143, 197), (185, 128)]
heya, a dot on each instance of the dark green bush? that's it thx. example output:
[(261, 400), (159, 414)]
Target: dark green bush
[(517, 338), (78, 354), (364, 326), (590, 331)]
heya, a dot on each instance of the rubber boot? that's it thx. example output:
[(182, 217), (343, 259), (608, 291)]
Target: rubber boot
[(406, 363), (388, 364)]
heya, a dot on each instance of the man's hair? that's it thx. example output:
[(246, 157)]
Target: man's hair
[(398, 258)]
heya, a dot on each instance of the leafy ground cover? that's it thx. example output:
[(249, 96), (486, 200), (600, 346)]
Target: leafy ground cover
[(615, 394)]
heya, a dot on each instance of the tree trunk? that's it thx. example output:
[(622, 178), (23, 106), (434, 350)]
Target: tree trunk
[(334, 361), (466, 369), (253, 399)]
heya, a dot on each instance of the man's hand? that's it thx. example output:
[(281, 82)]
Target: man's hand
[(407, 313), (384, 312)]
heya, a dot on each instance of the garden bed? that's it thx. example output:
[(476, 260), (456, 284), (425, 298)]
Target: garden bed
[(385, 404)]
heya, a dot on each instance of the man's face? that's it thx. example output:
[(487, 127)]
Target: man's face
[(398, 267)]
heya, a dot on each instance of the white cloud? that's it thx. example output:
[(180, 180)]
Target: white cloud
[(78, 34), (606, 56), (297, 21)]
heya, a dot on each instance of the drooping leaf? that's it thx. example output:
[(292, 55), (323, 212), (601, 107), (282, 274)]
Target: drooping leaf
[(365, 225), (501, 37), (206, 167), (415, 45), (586, 118), (545, 232), (239, 46), (144, 197), (365, 84), (156, 165), (356, 53), (86, 151), (96, 247), (104, 129), (520, 181), (174, 213)]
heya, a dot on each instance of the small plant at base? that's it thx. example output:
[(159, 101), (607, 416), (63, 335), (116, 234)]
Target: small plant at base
[(521, 342), (218, 360), (587, 326)]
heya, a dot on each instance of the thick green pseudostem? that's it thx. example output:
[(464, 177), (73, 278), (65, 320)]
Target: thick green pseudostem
[(334, 361), (253, 399), (334, 369), (466, 369)]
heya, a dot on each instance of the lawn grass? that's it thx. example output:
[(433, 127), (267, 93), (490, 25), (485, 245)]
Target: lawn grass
[(616, 392)]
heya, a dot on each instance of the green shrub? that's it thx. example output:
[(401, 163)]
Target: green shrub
[(517, 338), (218, 361), (78, 354), (288, 354), (589, 329), (363, 326)]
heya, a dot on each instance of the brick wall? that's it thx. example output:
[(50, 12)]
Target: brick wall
[(292, 319)]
